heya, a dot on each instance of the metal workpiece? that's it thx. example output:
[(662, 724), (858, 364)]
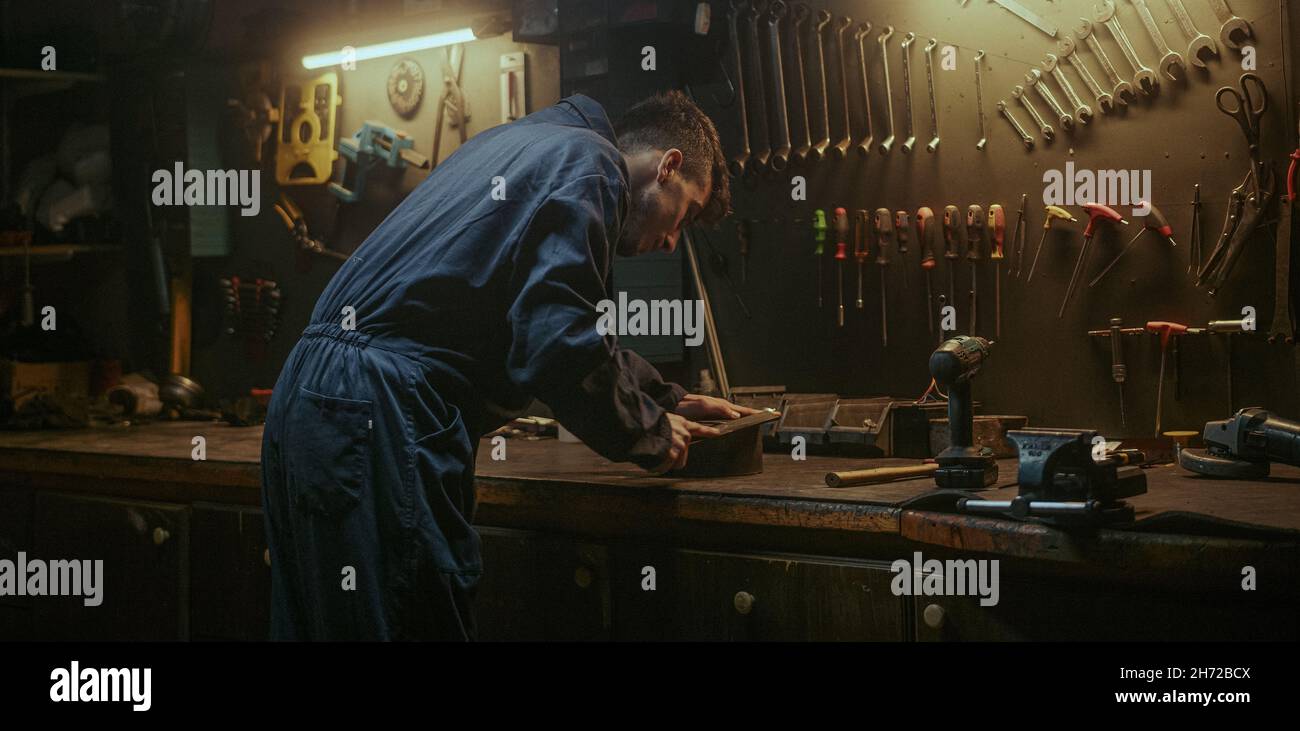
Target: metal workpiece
[(934, 107), (1234, 32), (1081, 111), (841, 148), (1200, 45), (1170, 61), (1045, 129), (1034, 79), (867, 141), (823, 140), (738, 165), (1123, 90), (1068, 51), (887, 144), (1143, 77), (1025, 138), (778, 122), (799, 14), (760, 156), (979, 99), (910, 142)]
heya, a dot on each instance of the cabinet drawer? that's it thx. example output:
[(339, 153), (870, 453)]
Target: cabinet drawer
[(542, 587), (230, 571)]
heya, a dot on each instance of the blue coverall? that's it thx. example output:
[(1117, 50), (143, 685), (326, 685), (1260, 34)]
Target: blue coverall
[(476, 294)]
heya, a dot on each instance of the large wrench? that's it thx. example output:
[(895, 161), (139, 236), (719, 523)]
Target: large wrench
[(908, 40), (824, 140), (1052, 66), (1067, 48), (1143, 77), (1044, 128), (1025, 139), (888, 143), (1231, 25), (798, 19), (865, 144), (1123, 90), (778, 122), (1171, 61), (739, 165), (979, 99), (762, 152), (934, 110), (841, 148), (1034, 79), (1200, 43)]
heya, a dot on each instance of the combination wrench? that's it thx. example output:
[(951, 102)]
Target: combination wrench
[(1199, 42), (824, 138), (979, 99), (910, 142), (1232, 25), (1048, 132), (888, 143), (778, 121), (841, 148), (1052, 66), (1123, 90), (934, 109), (760, 157), (799, 89), (738, 165), (1171, 61), (1025, 139), (1067, 48), (1144, 78), (860, 35), (1034, 80)]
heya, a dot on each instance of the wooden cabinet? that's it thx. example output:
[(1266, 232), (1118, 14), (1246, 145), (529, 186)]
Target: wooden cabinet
[(542, 587), (231, 574)]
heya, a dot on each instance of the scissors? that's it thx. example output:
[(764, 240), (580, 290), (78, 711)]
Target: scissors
[(1245, 109)]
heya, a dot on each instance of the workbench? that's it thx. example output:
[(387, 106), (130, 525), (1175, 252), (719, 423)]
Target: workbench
[(576, 547)]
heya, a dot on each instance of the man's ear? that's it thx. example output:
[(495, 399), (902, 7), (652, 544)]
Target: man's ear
[(669, 165)]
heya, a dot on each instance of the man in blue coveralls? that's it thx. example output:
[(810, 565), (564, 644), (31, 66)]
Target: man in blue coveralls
[(475, 295)]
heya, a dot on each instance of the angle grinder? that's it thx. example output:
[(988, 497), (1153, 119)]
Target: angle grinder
[(1243, 447)]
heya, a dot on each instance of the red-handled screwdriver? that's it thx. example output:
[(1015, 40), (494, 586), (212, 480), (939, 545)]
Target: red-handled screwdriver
[(841, 248), (925, 234)]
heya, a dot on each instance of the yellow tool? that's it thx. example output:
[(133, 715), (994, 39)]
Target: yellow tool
[(304, 153)]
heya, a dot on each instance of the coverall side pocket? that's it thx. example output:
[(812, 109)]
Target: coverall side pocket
[(326, 448)]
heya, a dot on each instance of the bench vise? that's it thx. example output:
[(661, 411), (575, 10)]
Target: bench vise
[(373, 144), (1061, 482), (1244, 446)]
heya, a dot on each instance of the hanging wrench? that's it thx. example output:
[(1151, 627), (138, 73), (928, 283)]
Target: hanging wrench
[(1044, 128), (1123, 90), (1171, 61), (739, 164), (860, 35), (1231, 25), (778, 122), (1020, 130), (760, 158), (934, 110), (1034, 79), (979, 99), (1144, 78), (824, 138), (1200, 43), (798, 19), (841, 148), (1067, 48), (1052, 66), (888, 143), (910, 142)]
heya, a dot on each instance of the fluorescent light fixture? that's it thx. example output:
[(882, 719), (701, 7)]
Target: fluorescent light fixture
[(392, 48)]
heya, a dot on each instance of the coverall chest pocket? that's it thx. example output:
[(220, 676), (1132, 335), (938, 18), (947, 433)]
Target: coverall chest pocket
[(327, 452)]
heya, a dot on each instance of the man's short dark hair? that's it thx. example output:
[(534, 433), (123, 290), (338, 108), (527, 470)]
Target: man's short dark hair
[(671, 120)]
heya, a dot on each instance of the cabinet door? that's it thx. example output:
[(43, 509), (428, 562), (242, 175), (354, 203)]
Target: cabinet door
[(744, 597), (542, 587), (230, 570), (145, 580)]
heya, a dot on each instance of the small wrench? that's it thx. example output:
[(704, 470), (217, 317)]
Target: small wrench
[(934, 110), (1144, 78), (1067, 48), (841, 148), (1052, 66), (1044, 128), (888, 143), (860, 35), (824, 140), (908, 40), (1200, 43), (1231, 25), (1034, 79), (1020, 130), (979, 100), (1171, 62), (1123, 90), (798, 20)]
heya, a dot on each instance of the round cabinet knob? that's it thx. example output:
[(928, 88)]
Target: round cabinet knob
[(743, 602), (160, 536), (266, 556), (933, 616), (582, 577)]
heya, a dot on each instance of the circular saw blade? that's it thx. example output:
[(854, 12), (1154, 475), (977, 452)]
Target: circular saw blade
[(406, 87)]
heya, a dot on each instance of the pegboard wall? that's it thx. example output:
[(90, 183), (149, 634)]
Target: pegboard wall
[(1042, 366)]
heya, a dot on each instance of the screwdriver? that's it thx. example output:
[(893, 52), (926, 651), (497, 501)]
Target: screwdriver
[(1096, 212), (819, 235), (925, 234), (841, 246), (903, 227), (860, 251), (998, 222), (1053, 213), (951, 231), (1118, 371), (1018, 238), (1154, 221), (884, 235), (975, 226)]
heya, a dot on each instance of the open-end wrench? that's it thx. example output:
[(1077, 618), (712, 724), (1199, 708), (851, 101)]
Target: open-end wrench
[(1067, 48), (1171, 62), (778, 122), (823, 140), (1200, 43), (934, 109), (1048, 132), (1123, 90), (887, 144), (841, 149), (908, 40), (1034, 79), (799, 89), (1025, 139), (979, 99), (739, 164), (760, 157), (1233, 27), (866, 143), (1052, 66), (1143, 77)]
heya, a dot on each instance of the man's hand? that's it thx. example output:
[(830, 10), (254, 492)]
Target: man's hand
[(683, 431), (694, 406)]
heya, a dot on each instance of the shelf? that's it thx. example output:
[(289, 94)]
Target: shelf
[(61, 250)]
